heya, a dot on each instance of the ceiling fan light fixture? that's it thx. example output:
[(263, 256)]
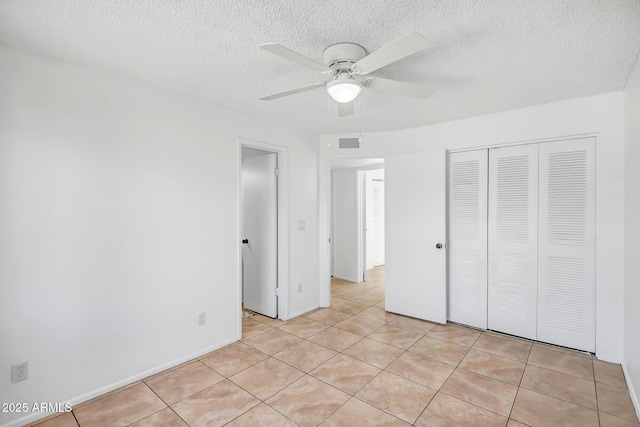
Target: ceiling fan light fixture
[(344, 89)]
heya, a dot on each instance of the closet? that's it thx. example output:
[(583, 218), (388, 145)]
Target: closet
[(522, 241)]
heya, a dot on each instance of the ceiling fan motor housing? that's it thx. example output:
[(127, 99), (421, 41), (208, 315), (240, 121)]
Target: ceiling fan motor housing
[(342, 56)]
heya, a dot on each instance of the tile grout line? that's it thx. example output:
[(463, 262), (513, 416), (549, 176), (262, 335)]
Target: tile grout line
[(526, 363)]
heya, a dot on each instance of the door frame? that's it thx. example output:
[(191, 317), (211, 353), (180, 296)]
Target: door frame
[(283, 225), (325, 224)]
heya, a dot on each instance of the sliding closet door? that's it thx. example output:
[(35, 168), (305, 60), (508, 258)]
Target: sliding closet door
[(513, 235), (467, 241), (566, 284)]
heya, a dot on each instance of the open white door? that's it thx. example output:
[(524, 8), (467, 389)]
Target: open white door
[(375, 218), (415, 223), (260, 244)]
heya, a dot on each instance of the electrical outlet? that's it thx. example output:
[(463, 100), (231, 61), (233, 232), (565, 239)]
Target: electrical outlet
[(19, 372), (202, 318), (299, 287)]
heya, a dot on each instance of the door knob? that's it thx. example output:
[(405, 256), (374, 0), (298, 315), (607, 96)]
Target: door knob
[(245, 241), (439, 245)]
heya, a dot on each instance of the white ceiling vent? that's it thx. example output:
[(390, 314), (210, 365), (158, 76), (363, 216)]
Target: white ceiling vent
[(349, 144)]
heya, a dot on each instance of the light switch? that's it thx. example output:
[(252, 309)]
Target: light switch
[(301, 225)]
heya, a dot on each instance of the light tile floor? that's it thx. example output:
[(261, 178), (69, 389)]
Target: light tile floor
[(356, 365)]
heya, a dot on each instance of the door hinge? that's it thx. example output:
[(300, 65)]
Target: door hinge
[(277, 292), (276, 171)]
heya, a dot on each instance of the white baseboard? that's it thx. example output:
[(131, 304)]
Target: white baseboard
[(98, 392), (632, 390), (300, 313)]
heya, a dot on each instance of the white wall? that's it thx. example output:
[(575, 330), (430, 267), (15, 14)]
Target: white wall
[(600, 115), (119, 224), (346, 238), (632, 236)]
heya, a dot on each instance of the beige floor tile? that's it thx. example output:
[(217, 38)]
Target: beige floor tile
[(514, 423), (262, 416), (166, 371), (328, 316), (560, 385), (396, 395), (273, 341), (345, 293), (120, 409), (503, 347), (366, 299), (118, 390), (349, 307), (396, 337), (305, 355), (562, 362), (373, 352), (609, 373), (215, 406), (358, 413), (359, 325), (308, 401), (179, 383), (482, 391), (335, 300), (615, 401), (164, 418), (334, 338), (454, 334), (447, 411), (266, 378), (414, 325), (377, 314), (63, 420), (268, 320), (380, 305), (490, 365), (508, 337), (563, 350), (439, 350), (423, 370), (377, 291), (232, 360), (537, 409), (345, 373), (303, 327), (607, 420), (252, 328)]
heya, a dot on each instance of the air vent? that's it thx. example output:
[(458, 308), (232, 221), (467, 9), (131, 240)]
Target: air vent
[(349, 143)]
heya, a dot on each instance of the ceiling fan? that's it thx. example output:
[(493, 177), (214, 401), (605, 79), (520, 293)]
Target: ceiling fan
[(348, 65)]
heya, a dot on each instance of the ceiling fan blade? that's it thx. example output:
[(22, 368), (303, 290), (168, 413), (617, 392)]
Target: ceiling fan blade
[(291, 91), (345, 109), (280, 50), (394, 51), (401, 88)]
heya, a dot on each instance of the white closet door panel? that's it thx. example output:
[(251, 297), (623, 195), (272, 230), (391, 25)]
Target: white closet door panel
[(416, 225), (513, 235), (467, 240), (566, 287)]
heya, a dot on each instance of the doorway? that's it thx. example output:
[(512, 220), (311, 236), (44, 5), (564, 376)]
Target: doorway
[(262, 230), (356, 218)]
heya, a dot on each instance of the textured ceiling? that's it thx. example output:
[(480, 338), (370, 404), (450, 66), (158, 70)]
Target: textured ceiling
[(485, 55)]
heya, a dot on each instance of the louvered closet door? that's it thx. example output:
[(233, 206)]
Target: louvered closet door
[(566, 283), (513, 235), (467, 241)]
